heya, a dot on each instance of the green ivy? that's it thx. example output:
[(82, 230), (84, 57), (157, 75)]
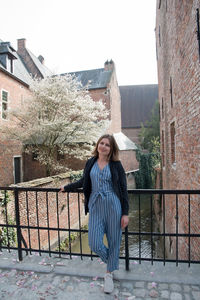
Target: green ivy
[(4, 198), (145, 176), (76, 175), (7, 234)]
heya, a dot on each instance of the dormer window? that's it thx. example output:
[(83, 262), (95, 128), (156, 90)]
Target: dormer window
[(10, 65), (4, 104), (7, 56)]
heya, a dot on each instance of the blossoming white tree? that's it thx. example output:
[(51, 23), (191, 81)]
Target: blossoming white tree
[(60, 116)]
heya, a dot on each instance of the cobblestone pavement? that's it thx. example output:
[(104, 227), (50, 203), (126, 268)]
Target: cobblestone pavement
[(43, 278)]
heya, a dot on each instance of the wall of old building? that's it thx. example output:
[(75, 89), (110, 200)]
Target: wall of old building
[(179, 94), (9, 148), (115, 104)]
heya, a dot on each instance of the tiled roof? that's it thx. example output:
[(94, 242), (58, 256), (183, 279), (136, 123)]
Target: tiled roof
[(96, 79), (19, 71), (137, 102), (42, 68)]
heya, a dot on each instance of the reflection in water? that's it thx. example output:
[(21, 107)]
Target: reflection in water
[(139, 246), (136, 247)]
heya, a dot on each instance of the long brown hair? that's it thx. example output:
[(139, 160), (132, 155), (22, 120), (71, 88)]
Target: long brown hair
[(114, 150)]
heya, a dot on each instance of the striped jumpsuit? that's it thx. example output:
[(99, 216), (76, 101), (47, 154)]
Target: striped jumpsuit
[(104, 217)]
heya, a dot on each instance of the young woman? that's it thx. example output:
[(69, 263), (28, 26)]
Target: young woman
[(106, 200)]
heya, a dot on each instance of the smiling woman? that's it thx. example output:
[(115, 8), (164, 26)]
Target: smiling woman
[(106, 200)]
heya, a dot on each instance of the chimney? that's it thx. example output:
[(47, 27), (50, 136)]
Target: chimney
[(41, 59), (109, 65), (21, 44)]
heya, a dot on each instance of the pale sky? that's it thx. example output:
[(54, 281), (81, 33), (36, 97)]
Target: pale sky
[(77, 35)]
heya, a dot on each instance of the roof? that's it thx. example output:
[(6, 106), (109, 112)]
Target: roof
[(20, 71), (137, 102), (123, 142), (42, 68), (96, 79)]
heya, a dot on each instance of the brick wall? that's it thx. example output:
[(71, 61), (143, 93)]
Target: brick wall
[(10, 148), (179, 94), (128, 160)]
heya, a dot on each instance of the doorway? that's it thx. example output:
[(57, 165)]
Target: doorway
[(17, 169)]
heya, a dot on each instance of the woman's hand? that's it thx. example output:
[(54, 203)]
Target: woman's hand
[(124, 221), (62, 188)]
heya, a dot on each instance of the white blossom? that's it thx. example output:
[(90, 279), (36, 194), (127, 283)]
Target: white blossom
[(59, 116)]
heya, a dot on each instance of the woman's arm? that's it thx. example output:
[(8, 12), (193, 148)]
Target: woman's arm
[(72, 186), (123, 188)]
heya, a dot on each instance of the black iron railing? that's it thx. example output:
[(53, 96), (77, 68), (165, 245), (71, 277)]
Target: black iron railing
[(39, 219)]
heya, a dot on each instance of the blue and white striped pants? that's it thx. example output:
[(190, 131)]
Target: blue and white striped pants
[(105, 218)]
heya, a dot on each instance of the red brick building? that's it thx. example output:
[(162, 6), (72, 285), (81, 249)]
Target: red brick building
[(16, 68), (178, 55)]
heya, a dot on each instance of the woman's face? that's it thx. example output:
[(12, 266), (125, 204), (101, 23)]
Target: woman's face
[(104, 147)]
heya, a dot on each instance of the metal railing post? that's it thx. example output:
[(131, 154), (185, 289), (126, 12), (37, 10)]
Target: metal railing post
[(126, 249), (17, 217)]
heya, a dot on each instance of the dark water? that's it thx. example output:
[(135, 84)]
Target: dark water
[(136, 246), (140, 246)]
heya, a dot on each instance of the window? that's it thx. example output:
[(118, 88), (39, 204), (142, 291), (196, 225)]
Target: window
[(163, 148), (198, 31), (159, 36), (162, 108), (172, 135), (4, 104), (10, 65), (171, 92)]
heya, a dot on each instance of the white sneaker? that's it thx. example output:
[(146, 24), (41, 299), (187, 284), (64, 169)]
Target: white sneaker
[(108, 283)]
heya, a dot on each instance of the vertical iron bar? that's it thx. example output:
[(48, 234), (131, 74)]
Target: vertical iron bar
[(58, 222), (198, 30), (151, 231), (47, 203), (7, 221), (69, 229), (38, 223), (27, 214), (164, 254), (189, 231), (139, 207), (79, 218), (176, 229), (126, 249), (17, 217)]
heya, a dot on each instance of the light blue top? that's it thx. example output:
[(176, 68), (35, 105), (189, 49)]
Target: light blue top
[(101, 183)]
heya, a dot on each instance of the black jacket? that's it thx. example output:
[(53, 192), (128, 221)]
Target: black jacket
[(118, 181)]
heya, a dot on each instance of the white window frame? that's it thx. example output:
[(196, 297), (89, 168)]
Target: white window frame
[(3, 101)]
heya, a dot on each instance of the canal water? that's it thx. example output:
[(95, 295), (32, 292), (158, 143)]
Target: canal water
[(145, 226)]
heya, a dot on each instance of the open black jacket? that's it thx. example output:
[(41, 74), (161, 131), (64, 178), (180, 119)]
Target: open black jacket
[(118, 180)]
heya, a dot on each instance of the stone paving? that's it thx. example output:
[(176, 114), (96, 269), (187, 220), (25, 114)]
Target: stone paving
[(43, 278)]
